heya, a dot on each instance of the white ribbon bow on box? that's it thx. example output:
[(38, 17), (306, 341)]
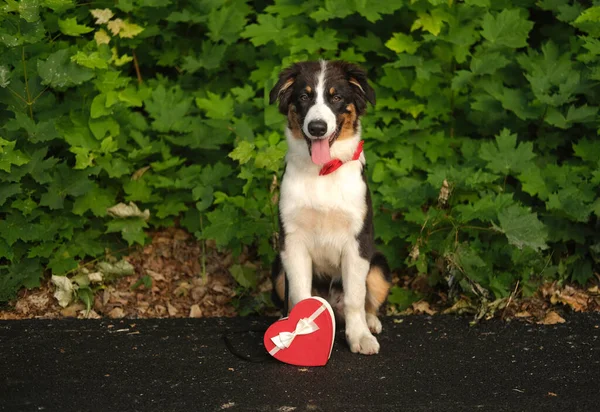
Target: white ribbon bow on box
[(304, 326)]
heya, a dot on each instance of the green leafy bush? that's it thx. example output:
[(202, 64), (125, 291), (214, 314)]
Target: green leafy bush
[(482, 150)]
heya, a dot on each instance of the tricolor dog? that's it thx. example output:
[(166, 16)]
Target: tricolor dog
[(325, 212)]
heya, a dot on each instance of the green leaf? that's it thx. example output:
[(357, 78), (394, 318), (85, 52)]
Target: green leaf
[(210, 58), (169, 109), (59, 71), (243, 152), (86, 295), (145, 280), (227, 22), (574, 202), (223, 226), (215, 106), (58, 5), (588, 21), (551, 75), (269, 28), (39, 167), (403, 298), (98, 107), (5, 252), (507, 28), (488, 63), (42, 131), (471, 264), (582, 114), (431, 23), (587, 149), (9, 156), (245, 276), (71, 28), (26, 272), (522, 228), (97, 200), (172, 207), (401, 43), (505, 156), (131, 229), (270, 158), (92, 60), (66, 182), (533, 182), (582, 271), (29, 10), (7, 191)]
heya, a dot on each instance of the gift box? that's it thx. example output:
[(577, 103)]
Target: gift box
[(305, 337)]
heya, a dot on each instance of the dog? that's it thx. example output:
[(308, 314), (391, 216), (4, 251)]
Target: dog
[(325, 210)]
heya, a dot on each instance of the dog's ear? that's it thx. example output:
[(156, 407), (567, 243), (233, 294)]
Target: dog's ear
[(363, 91), (282, 91)]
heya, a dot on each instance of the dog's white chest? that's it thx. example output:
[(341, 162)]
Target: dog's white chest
[(324, 212)]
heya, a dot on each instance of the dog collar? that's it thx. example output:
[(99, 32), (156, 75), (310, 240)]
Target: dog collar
[(335, 164)]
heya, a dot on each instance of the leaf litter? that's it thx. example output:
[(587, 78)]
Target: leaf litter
[(177, 286), (172, 263)]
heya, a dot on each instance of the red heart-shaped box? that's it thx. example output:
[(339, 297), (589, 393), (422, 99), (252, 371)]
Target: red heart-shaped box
[(305, 337)]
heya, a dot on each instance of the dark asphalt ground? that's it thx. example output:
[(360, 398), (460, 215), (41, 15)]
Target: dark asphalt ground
[(426, 364)]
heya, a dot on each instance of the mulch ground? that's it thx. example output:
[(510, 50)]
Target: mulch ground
[(186, 285)]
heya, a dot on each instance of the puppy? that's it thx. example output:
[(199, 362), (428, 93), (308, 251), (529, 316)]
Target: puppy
[(325, 211)]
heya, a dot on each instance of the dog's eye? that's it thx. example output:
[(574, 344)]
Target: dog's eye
[(304, 97), (336, 99)]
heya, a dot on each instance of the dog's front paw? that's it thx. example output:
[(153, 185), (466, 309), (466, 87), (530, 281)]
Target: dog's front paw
[(365, 344), (374, 323)]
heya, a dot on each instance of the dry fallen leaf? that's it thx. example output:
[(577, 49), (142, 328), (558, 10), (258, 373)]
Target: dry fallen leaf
[(121, 210), (64, 290), (95, 277), (155, 275), (523, 314), (182, 289), (172, 309), (195, 311), (116, 313), (423, 307), (72, 310), (576, 299), (552, 318)]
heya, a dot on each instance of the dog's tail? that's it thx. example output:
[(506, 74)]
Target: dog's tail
[(278, 279)]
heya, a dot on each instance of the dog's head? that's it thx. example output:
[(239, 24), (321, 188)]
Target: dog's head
[(323, 101)]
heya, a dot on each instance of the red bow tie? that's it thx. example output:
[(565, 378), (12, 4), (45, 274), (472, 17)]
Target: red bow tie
[(334, 164)]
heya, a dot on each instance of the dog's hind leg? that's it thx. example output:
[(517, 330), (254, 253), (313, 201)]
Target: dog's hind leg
[(278, 280), (378, 287), (354, 275)]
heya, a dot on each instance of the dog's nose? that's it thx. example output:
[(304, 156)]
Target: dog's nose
[(317, 128)]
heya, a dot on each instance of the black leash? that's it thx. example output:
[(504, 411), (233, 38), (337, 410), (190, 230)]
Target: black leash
[(261, 331)]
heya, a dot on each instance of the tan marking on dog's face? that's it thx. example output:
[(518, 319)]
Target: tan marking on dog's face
[(332, 91), (377, 290), (293, 123), (349, 121), (308, 89)]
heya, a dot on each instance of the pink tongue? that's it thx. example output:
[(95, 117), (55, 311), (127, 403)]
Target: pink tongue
[(320, 151)]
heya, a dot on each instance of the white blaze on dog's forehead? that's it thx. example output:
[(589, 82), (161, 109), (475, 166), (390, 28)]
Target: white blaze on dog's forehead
[(320, 110)]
